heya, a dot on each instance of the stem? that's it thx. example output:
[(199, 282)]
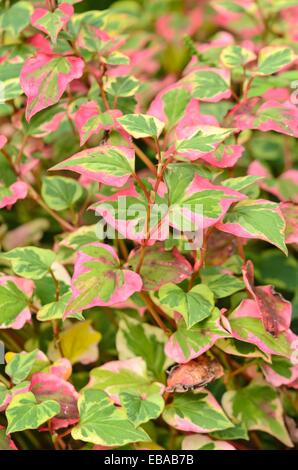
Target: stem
[(240, 248), (240, 369), (55, 323), (256, 440), (151, 308), (141, 259), (33, 439), (199, 263), (158, 149), (246, 87), (104, 97), (4, 381), (63, 223), (59, 439), (12, 339), (57, 284), (142, 186), (20, 153), (122, 247), (144, 159), (148, 214)]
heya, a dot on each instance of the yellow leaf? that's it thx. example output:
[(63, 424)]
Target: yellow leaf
[(9, 356), (79, 343)]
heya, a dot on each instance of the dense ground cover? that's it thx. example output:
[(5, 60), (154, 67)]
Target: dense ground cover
[(148, 196)]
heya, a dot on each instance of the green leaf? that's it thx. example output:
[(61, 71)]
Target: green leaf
[(55, 310), (61, 193), (4, 394), (52, 22), (104, 424), (106, 164), (258, 407), (261, 84), (208, 85), (12, 302), (122, 86), (197, 412), (241, 183), (257, 219), (248, 328), (236, 56), (203, 141), (186, 344), (5, 441), (161, 267), (141, 125), (230, 6), (17, 17), (136, 338), (101, 279), (222, 285), (282, 366), (79, 237), (24, 412), (237, 432), (30, 262), (127, 376), (272, 267), (44, 79), (203, 199), (117, 58), (194, 306), (20, 366), (175, 103), (139, 407), (10, 81), (274, 58), (235, 347)]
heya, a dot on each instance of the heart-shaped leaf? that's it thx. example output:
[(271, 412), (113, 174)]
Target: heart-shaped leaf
[(103, 424), (194, 305), (24, 412)]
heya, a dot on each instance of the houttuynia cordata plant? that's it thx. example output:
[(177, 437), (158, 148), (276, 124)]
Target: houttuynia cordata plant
[(148, 195)]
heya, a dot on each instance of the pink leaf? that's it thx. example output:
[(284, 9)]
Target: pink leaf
[(61, 368), (197, 442), (223, 199), (98, 279), (3, 141), (89, 120), (44, 79), (275, 311), (256, 219), (265, 116), (40, 43), (6, 443), (46, 386), (246, 325), (225, 156), (276, 376), (188, 343), (160, 267), (290, 214), (26, 286), (209, 84), (106, 164), (13, 193), (52, 23), (285, 187)]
